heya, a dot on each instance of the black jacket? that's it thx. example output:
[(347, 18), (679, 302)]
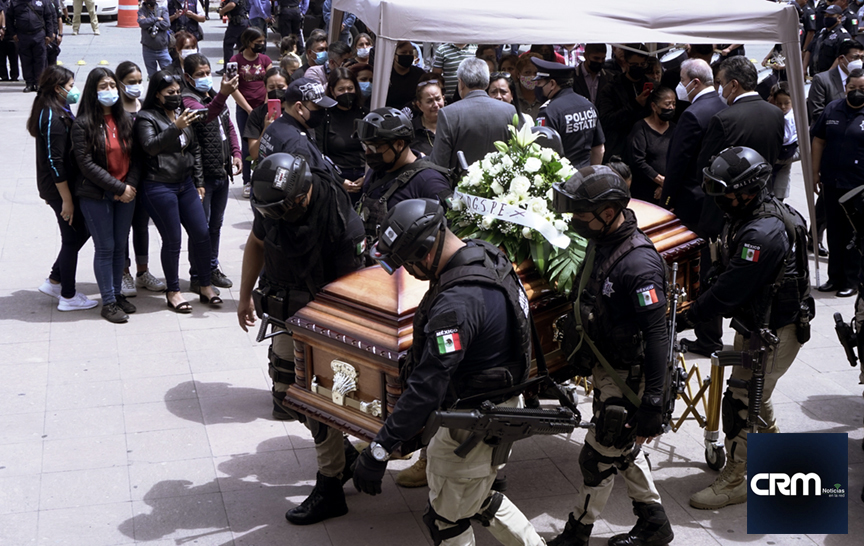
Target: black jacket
[(213, 137), (54, 160), (26, 17), (581, 86), (170, 155), (619, 112), (93, 179)]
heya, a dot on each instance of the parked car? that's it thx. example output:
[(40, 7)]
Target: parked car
[(105, 9)]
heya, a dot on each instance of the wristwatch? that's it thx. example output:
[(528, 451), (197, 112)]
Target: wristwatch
[(378, 452)]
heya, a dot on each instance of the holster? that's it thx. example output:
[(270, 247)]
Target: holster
[(610, 431)]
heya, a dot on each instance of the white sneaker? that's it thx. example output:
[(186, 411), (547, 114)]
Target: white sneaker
[(78, 302), (148, 281), (128, 288), (50, 289), (247, 190)]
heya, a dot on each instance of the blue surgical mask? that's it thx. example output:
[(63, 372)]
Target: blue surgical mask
[(133, 91), (366, 88), (321, 58), (204, 84), (107, 97)]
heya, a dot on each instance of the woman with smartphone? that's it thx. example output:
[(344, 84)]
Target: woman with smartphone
[(174, 185), (276, 82)]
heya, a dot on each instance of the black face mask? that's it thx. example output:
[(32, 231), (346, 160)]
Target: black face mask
[(346, 100), (595, 66), (316, 117), (666, 114), (276, 94), (725, 205), (376, 161), (855, 98), (259, 48), (581, 227), (295, 213), (636, 72), (830, 21), (405, 61), (173, 102)]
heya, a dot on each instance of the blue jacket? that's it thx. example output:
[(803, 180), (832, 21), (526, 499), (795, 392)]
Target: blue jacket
[(347, 20)]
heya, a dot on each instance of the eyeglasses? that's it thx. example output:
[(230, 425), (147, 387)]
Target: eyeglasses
[(499, 75)]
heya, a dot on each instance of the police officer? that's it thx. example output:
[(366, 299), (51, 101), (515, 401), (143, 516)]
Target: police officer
[(825, 47), (395, 173), (471, 337), (304, 236), (807, 20), (53, 49), (32, 24), (621, 302), (237, 12), (570, 114), (762, 281)]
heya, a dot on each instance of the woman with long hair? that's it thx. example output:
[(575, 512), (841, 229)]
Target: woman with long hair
[(334, 135), (429, 100), (106, 184), (173, 186), (50, 123)]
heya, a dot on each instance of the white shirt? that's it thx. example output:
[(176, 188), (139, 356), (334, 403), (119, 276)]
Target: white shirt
[(790, 135), (708, 89), (843, 76), (747, 94)]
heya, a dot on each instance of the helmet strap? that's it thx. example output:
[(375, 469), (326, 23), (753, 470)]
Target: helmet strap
[(431, 273), (606, 226)]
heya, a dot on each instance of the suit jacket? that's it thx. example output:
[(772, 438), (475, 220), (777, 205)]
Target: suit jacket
[(683, 186), (581, 86), (825, 87), (749, 122), (619, 112), (472, 125)]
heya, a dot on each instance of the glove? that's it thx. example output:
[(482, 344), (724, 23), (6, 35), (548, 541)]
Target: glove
[(368, 473), (683, 322), (648, 420)]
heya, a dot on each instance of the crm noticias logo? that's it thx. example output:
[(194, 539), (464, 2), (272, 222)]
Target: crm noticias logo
[(786, 473)]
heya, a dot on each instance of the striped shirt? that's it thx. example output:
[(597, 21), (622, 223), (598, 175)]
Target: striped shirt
[(447, 58)]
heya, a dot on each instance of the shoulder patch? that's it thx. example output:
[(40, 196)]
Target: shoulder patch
[(361, 247), (448, 341), (647, 295), (750, 252), (607, 288)]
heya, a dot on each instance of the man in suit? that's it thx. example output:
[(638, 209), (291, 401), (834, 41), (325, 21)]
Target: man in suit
[(474, 123), (625, 100), (591, 77), (831, 85)]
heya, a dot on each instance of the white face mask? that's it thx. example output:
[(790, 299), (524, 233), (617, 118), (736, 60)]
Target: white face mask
[(363, 52), (186, 52), (854, 65), (681, 92)]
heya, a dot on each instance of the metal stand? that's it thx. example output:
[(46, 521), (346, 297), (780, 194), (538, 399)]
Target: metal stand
[(715, 452)]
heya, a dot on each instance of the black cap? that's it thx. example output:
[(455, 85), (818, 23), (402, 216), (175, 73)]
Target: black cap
[(547, 69), (834, 9), (304, 89)]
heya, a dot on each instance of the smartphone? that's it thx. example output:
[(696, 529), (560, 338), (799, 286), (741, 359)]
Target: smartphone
[(649, 86), (274, 108), (200, 113), (230, 70)]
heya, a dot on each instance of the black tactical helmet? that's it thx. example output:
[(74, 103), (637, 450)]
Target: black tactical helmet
[(735, 170), (408, 232), (590, 189), (549, 138), (277, 182), (387, 124)]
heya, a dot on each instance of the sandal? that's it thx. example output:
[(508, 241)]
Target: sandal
[(183, 307), (215, 300)]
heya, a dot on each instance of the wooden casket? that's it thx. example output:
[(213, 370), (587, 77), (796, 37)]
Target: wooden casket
[(348, 341)]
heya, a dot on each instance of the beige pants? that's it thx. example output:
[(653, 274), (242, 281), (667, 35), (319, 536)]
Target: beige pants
[(776, 363), (76, 14), (459, 488), (329, 448), (640, 484)]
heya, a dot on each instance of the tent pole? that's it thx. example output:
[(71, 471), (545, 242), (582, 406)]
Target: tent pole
[(336, 18)]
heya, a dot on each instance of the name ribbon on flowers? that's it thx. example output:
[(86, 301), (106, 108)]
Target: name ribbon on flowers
[(514, 215)]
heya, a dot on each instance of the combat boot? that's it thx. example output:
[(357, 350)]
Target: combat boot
[(651, 529), (327, 500), (730, 487), (574, 534), (414, 475)]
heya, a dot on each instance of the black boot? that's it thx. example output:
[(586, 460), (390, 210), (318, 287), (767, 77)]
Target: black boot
[(574, 534), (651, 529), (326, 501), (351, 455)]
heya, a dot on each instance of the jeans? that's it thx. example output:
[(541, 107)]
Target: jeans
[(109, 221), (152, 56), (215, 201), (242, 117), (170, 206), (72, 239), (140, 235)]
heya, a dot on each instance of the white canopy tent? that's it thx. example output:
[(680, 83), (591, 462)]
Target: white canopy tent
[(586, 21)]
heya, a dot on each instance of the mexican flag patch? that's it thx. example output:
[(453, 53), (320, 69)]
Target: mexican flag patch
[(361, 247), (448, 341), (750, 253), (647, 296)]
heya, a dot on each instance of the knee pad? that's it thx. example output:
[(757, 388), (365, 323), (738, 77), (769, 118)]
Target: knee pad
[(733, 423), (438, 535), (489, 509), (589, 461), (281, 370), (319, 431)]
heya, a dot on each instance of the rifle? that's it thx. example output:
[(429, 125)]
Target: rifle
[(502, 426), (676, 378), (752, 359)]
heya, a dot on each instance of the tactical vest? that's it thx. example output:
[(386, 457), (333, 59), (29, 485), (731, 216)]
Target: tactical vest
[(482, 265), (238, 16), (373, 211), (214, 141)]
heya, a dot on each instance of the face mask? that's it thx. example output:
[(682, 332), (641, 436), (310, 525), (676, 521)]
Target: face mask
[(73, 95), (295, 213), (276, 94), (681, 92), (315, 117), (363, 52), (830, 21), (107, 97), (172, 102), (636, 72), (376, 163), (854, 65), (321, 58), (725, 204), (366, 89), (260, 48), (855, 98), (417, 271), (583, 229), (405, 61), (527, 82), (133, 91), (346, 100), (204, 84), (666, 114), (595, 66), (540, 93), (186, 52)]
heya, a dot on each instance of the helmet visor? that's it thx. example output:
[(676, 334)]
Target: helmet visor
[(272, 211), (563, 203), (363, 130), (386, 261), (713, 186)]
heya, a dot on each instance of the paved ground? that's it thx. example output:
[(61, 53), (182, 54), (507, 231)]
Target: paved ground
[(157, 431)]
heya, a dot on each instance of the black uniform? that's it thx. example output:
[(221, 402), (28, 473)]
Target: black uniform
[(238, 21), (850, 19), (578, 123), (619, 111), (31, 21), (826, 46), (286, 134), (807, 20), (52, 51), (819, 12), (8, 51)]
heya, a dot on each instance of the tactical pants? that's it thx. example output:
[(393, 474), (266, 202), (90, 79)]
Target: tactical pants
[(32, 51), (231, 41), (461, 488), (91, 11), (291, 22), (777, 362), (328, 441), (640, 484), (8, 52)]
